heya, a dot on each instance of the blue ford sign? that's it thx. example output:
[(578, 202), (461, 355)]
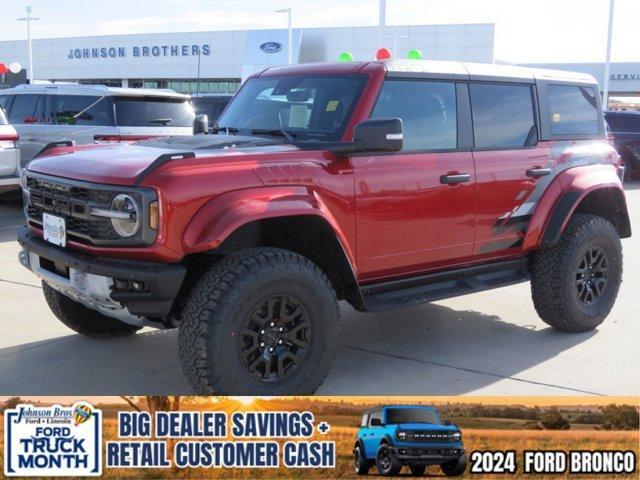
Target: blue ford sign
[(271, 47)]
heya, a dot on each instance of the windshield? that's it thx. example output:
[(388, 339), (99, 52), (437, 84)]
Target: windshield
[(153, 112), (307, 108), (411, 415)]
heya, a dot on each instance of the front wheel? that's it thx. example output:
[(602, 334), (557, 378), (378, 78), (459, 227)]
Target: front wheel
[(386, 462), (456, 467), (574, 284), (361, 464), (259, 321)]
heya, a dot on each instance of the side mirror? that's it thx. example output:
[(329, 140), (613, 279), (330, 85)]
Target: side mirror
[(376, 422), (379, 135), (448, 423), (201, 124), (373, 135)]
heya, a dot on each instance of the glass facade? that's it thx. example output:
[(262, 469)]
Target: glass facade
[(187, 85)]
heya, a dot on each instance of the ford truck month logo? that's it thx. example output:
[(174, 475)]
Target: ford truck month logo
[(53, 441), (271, 47)]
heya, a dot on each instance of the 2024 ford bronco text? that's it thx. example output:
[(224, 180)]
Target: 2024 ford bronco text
[(384, 184), (393, 436)]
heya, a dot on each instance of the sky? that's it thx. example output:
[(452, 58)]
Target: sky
[(527, 31)]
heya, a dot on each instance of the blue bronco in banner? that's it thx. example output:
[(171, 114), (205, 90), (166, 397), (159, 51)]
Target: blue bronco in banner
[(397, 435)]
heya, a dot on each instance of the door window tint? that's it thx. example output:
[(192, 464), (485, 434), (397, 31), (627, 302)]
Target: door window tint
[(154, 112), (373, 415), (502, 115), (83, 110), (573, 110), (427, 110), (23, 109)]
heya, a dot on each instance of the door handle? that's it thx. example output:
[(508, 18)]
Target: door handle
[(453, 178), (538, 172)]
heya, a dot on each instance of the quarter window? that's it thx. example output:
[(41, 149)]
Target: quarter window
[(83, 110), (573, 110), (502, 115), (427, 110)]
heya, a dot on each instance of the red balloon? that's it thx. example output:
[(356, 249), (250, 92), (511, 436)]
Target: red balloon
[(3, 68), (383, 54)]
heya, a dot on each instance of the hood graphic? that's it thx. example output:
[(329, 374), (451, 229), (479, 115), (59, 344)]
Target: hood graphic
[(121, 164)]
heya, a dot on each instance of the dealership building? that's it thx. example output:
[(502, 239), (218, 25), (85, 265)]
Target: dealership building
[(222, 59)]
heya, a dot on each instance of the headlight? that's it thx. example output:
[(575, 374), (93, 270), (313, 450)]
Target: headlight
[(402, 435), (457, 436), (128, 223)]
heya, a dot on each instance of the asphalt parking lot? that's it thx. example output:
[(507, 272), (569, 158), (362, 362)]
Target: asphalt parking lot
[(489, 343)]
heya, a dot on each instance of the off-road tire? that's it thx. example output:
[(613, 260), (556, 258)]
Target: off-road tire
[(361, 464), (393, 467), (83, 320), (417, 470), (553, 275), (455, 468), (629, 167), (221, 300)]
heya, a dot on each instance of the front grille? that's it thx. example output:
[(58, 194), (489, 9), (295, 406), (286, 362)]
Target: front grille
[(72, 202), (429, 436)]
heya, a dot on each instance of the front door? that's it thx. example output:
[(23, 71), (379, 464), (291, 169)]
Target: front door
[(371, 439), (512, 168), (415, 209)]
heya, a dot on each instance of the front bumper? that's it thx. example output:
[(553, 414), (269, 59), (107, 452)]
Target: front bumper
[(427, 455), (102, 283)]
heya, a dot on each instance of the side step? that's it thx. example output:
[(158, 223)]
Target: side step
[(406, 292)]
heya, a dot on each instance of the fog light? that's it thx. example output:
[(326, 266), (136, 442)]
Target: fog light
[(129, 285)]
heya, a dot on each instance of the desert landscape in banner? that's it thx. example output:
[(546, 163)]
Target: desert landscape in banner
[(487, 423)]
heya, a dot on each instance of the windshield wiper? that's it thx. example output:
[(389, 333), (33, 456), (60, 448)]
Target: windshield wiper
[(163, 121), (275, 132), (227, 130)]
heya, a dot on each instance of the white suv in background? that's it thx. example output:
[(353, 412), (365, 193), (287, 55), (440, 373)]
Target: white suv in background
[(48, 113), (9, 156)]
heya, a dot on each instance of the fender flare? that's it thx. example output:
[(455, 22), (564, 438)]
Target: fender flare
[(223, 215), (562, 197)]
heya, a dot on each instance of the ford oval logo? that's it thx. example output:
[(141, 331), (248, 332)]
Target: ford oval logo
[(271, 47)]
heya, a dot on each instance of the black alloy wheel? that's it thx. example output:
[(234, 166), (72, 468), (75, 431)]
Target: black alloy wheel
[(592, 275)]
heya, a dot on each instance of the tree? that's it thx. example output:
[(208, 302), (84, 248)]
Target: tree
[(154, 403), (552, 419), (620, 417), (12, 402)]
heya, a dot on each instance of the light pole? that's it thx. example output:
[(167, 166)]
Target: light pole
[(607, 63), (289, 33), (28, 19), (395, 38)]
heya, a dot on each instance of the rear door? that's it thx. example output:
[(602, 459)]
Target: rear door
[(415, 209), (27, 115), (513, 169)]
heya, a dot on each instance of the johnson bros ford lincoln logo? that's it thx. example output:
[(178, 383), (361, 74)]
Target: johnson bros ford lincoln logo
[(271, 47), (53, 441)]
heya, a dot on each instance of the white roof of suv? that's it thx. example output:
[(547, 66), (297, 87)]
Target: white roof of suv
[(78, 89)]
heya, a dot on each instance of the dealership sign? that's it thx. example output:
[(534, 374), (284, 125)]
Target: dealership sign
[(624, 76), (271, 47), (141, 51)]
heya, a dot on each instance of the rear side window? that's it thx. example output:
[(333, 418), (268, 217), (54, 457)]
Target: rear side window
[(23, 109), (153, 112), (502, 115), (573, 110), (3, 117), (83, 110), (427, 110)]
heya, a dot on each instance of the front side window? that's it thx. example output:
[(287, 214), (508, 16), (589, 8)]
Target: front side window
[(573, 110), (153, 112), (411, 415), (313, 108), (427, 110), (23, 109), (375, 415), (502, 115), (83, 110)]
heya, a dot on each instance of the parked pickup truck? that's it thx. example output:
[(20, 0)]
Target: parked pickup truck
[(384, 184), (625, 129), (393, 436)]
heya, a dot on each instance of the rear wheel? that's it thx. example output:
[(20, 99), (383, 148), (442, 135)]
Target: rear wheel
[(455, 468), (386, 461), (259, 321), (361, 464), (575, 283), (84, 320)]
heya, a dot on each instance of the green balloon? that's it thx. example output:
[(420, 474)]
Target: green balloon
[(414, 54), (346, 57)]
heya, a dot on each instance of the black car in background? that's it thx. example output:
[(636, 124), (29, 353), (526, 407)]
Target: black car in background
[(625, 128), (211, 104)]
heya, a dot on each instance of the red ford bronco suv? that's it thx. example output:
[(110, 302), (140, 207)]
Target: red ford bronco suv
[(385, 184)]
